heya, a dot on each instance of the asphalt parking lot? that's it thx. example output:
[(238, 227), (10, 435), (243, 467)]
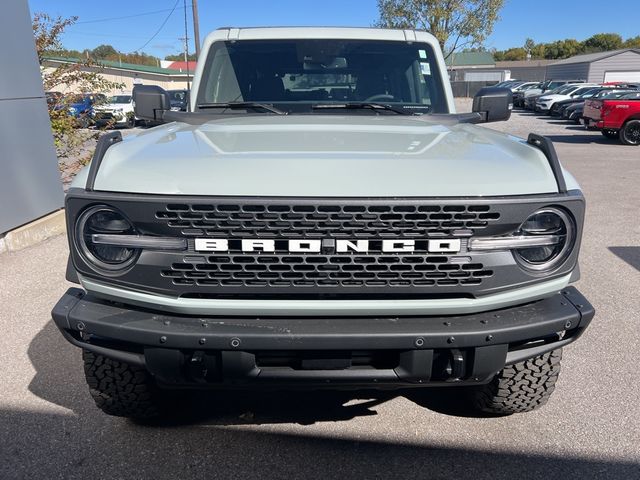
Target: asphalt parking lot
[(50, 428)]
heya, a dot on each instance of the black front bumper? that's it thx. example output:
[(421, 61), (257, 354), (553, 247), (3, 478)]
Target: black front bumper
[(187, 351)]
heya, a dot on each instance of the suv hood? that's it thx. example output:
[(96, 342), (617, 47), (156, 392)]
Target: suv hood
[(324, 156)]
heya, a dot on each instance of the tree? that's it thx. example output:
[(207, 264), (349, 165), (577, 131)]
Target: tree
[(516, 54), (101, 52), (633, 42), (455, 23), (179, 57), (74, 76), (529, 45), (562, 49), (602, 42)]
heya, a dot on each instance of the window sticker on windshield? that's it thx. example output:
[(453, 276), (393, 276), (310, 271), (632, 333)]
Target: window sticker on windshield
[(425, 68), (422, 53)]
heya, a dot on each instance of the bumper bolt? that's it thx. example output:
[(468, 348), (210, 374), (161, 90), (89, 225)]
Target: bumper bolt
[(451, 339), (202, 341), (167, 322), (235, 342), (163, 339), (447, 324), (80, 326), (419, 342), (484, 322), (489, 338), (567, 325)]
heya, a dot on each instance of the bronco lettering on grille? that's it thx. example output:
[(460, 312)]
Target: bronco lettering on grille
[(396, 245)]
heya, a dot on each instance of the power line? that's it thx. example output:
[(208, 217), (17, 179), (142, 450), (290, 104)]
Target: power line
[(103, 35), (160, 28), (110, 19)]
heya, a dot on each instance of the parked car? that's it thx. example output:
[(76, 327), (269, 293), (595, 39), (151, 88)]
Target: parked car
[(617, 117), (80, 106), (507, 83), (546, 102), (518, 95), (53, 99), (574, 112), (559, 107), (593, 105), (116, 112), (179, 100), (576, 104), (523, 86), (547, 87)]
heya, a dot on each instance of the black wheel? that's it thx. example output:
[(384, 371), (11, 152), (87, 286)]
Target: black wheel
[(83, 121), (518, 388), (121, 389), (630, 133), (609, 133)]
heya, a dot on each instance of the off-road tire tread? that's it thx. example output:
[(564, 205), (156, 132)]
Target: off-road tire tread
[(520, 387), (121, 389)]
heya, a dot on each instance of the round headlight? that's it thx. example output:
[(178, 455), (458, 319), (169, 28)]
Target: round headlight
[(103, 258), (552, 222)]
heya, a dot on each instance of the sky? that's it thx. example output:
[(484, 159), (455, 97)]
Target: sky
[(131, 25)]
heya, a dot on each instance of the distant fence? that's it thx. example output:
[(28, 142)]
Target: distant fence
[(468, 89)]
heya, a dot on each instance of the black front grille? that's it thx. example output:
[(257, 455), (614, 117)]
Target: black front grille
[(263, 270), (327, 273), (325, 220)]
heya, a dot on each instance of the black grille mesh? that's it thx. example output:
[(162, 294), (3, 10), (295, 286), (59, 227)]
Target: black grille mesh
[(324, 221), (262, 270), (285, 221)]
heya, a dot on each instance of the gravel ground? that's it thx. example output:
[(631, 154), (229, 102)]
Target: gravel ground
[(71, 162), (49, 427)]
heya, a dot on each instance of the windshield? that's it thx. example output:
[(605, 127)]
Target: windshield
[(120, 99), (587, 92), (295, 75), (581, 90), (614, 94)]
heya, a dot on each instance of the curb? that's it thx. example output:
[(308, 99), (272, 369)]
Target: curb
[(34, 232)]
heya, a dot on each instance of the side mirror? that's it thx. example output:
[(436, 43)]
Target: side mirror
[(494, 104), (150, 102)]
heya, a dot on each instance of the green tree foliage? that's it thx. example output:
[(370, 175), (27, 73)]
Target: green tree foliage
[(179, 57), (529, 45), (569, 47), (562, 49), (78, 77), (602, 42), (633, 42), (516, 53), (103, 52), (455, 23)]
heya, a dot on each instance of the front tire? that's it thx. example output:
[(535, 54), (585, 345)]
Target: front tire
[(630, 133), (122, 390), (518, 388)]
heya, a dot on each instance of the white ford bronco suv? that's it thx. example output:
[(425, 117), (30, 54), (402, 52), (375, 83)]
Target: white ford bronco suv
[(322, 218)]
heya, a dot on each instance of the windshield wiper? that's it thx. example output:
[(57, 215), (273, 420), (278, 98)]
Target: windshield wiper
[(361, 105), (242, 105)]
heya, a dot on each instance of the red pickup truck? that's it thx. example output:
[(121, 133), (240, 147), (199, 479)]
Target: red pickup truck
[(616, 117)]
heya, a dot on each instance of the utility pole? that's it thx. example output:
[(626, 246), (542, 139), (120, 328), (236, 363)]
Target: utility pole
[(196, 26), (186, 57)]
